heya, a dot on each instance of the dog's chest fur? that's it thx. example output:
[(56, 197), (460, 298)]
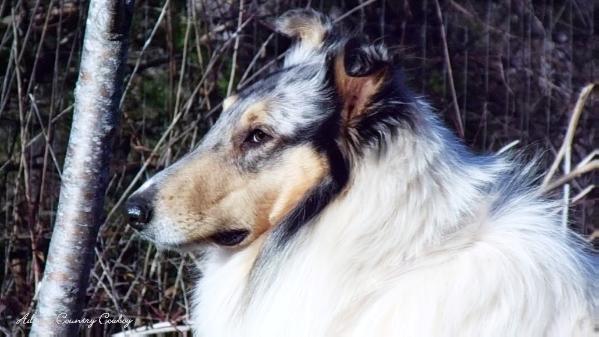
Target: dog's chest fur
[(469, 292)]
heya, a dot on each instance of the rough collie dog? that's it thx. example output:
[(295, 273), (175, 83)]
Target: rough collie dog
[(328, 200)]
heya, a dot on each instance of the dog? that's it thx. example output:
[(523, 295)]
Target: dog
[(328, 200)]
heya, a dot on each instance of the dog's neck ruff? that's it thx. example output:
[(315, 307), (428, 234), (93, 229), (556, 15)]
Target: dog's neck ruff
[(419, 188), (399, 248)]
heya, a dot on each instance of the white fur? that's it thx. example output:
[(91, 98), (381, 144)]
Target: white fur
[(417, 246)]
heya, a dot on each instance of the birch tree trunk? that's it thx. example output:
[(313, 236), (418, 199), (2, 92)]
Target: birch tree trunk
[(86, 169)]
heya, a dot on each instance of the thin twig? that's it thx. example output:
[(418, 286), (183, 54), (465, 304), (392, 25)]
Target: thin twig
[(577, 172), (235, 49), (454, 97), (143, 49), (582, 194), (578, 108)]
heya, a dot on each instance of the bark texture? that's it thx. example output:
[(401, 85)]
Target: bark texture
[(86, 169)]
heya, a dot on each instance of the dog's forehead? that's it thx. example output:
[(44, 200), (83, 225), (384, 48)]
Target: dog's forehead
[(292, 97)]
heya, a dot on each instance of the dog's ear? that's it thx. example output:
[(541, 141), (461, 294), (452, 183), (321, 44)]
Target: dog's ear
[(309, 27), (360, 71)]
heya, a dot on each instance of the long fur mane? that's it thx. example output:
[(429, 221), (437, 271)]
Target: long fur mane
[(427, 239)]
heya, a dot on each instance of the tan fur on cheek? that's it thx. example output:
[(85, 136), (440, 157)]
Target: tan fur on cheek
[(263, 209), (237, 209), (303, 169), (193, 195), (207, 195)]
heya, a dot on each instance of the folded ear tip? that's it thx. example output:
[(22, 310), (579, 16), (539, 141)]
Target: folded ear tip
[(301, 12), (300, 22), (307, 14), (356, 63), (361, 59)]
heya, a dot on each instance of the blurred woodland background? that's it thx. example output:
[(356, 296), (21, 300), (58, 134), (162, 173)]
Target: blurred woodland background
[(516, 69)]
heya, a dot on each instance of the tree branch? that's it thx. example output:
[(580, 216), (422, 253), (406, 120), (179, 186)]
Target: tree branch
[(85, 174)]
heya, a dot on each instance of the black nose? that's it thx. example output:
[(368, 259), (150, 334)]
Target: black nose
[(139, 211)]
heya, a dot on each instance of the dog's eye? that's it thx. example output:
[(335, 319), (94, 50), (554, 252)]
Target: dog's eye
[(256, 137)]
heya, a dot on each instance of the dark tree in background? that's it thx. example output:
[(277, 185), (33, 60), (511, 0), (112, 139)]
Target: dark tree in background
[(510, 72)]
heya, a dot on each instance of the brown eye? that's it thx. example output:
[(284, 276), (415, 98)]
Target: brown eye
[(257, 137)]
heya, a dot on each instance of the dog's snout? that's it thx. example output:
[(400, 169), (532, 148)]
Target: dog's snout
[(139, 211)]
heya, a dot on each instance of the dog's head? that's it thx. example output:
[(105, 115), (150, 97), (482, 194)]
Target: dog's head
[(281, 149)]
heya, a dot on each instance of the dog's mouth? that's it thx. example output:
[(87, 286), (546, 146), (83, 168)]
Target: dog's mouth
[(229, 238)]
